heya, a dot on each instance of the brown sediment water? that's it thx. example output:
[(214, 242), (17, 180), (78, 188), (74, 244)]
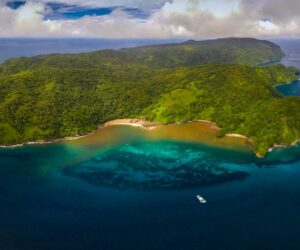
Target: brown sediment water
[(195, 132), (200, 132)]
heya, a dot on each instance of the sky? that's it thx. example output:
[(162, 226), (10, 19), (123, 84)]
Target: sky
[(122, 19)]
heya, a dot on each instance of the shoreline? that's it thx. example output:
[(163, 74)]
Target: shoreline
[(134, 122), (46, 142), (148, 125), (287, 83), (277, 146)]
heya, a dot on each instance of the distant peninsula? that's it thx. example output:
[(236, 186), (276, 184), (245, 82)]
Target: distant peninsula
[(65, 95)]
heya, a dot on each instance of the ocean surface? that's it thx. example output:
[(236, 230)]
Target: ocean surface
[(10, 47), (291, 47), (125, 188)]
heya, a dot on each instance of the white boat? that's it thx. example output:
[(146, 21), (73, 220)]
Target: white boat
[(201, 199)]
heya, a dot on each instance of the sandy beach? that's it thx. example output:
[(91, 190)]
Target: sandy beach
[(202, 131)]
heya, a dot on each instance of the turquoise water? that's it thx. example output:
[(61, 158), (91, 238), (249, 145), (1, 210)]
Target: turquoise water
[(141, 194), (290, 89)]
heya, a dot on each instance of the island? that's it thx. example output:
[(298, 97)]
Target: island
[(45, 98)]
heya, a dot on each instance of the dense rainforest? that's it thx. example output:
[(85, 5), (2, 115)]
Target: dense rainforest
[(56, 96), (247, 51)]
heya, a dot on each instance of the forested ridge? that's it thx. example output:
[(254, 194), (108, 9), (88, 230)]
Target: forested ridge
[(56, 96), (247, 51)]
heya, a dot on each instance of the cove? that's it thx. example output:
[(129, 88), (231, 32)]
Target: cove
[(289, 89), (86, 193)]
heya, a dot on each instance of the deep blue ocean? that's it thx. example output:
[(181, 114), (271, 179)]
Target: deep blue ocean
[(141, 194)]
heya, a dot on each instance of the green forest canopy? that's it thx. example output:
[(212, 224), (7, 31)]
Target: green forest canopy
[(55, 96)]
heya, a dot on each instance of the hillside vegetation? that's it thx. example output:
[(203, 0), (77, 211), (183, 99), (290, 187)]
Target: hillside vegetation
[(55, 96), (248, 51)]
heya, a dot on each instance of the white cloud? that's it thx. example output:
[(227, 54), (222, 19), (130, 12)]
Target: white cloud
[(29, 19), (191, 18), (268, 26), (25, 21)]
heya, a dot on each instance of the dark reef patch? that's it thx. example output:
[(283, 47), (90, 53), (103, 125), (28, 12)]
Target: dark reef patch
[(154, 166)]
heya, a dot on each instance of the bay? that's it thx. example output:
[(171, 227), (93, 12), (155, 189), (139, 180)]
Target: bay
[(126, 188)]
